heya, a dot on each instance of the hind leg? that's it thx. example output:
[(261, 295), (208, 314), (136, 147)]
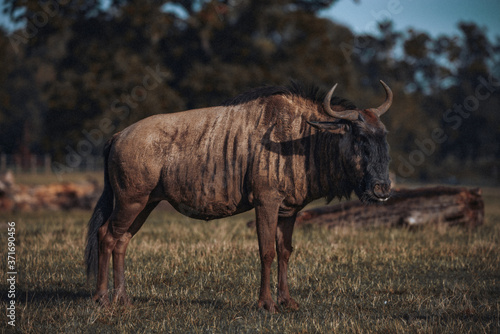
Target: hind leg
[(120, 294), (114, 231), (106, 245)]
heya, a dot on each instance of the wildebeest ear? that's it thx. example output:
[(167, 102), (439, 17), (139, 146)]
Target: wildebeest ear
[(333, 127)]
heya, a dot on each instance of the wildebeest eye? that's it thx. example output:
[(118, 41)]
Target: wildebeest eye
[(365, 145)]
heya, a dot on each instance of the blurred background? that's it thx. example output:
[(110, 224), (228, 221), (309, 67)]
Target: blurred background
[(72, 73)]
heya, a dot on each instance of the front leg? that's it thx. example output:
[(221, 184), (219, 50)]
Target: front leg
[(266, 212), (284, 248)]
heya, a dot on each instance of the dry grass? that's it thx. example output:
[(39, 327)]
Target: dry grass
[(190, 276)]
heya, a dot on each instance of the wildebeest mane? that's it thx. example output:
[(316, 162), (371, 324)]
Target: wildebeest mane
[(309, 92)]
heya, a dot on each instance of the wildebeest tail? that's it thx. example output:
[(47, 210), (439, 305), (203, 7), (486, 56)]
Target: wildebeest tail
[(102, 212)]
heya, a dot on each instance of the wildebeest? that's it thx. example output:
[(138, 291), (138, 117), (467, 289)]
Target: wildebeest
[(274, 149)]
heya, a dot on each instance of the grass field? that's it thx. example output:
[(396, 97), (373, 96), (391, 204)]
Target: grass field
[(187, 276)]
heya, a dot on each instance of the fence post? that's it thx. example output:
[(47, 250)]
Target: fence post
[(3, 162), (18, 165), (47, 164), (33, 163)]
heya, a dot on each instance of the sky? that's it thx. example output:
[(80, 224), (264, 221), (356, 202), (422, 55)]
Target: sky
[(433, 16)]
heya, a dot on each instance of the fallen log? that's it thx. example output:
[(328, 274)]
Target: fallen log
[(406, 207), (56, 196)]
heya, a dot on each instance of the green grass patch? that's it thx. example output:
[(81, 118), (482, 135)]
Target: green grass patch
[(188, 276)]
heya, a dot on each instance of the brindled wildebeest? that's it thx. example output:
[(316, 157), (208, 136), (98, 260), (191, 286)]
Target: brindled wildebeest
[(274, 149)]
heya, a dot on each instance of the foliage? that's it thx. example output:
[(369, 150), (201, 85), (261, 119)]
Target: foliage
[(80, 67)]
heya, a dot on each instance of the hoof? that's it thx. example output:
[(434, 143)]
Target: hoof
[(122, 299), (269, 306), (102, 299), (288, 304)]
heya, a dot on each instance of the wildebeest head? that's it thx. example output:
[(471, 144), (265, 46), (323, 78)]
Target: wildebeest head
[(363, 146)]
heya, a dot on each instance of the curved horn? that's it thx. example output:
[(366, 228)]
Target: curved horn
[(387, 103), (350, 115)]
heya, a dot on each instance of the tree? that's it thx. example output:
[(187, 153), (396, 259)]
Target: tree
[(80, 70)]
